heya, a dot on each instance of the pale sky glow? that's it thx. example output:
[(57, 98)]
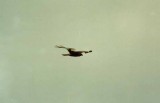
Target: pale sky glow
[(124, 66)]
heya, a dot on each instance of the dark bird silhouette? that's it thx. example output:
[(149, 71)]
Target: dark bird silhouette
[(73, 52)]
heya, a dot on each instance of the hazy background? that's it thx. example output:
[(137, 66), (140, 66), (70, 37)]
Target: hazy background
[(123, 34)]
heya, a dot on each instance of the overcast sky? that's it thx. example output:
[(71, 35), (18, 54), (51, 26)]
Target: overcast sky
[(124, 66)]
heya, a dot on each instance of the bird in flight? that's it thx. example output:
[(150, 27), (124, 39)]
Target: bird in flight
[(73, 52)]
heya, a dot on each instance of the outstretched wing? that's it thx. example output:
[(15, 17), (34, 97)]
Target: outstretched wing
[(60, 46), (70, 50)]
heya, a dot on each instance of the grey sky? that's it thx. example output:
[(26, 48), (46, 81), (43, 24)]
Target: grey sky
[(124, 66)]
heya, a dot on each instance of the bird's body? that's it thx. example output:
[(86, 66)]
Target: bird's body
[(73, 52)]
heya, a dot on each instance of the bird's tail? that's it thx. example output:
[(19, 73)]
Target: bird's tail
[(87, 51)]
